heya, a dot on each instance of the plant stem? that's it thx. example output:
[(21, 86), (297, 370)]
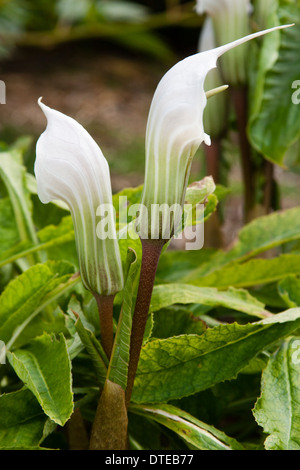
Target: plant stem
[(109, 430), (269, 186), (76, 432), (239, 96), (105, 309), (151, 250)]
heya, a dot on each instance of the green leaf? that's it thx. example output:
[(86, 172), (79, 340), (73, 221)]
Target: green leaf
[(22, 420), (13, 174), (175, 265), (289, 291), (174, 321), (55, 239), (251, 273), (236, 299), (25, 296), (8, 229), (48, 321), (278, 408), (45, 368), (200, 203), (196, 433), (198, 191), (94, 350), (260, 235), (118, 366), (202, 361), (59, 241), (274, 123), (122, 202)]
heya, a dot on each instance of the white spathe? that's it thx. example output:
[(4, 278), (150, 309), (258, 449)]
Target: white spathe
[(174, 132), (71, 167)]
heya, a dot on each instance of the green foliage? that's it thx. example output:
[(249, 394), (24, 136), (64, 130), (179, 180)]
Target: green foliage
[(44, 367), (236, 299), (210, 324), (277, 409), (196, 433), (205, 360), (278, 69), (118, 367), (40, 23), (219, 363), (22, 421)]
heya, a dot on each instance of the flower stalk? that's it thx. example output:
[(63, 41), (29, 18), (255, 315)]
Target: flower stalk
[(151, 251), (240, 102), (105, 309)]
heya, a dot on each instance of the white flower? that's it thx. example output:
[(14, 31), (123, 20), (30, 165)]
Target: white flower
[(70, 167), (173, 135)]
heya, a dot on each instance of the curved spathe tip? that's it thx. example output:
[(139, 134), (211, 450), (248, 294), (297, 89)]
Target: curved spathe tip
[(46, 110)]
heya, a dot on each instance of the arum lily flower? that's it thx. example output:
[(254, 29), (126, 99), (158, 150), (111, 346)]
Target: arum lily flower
[(230, 21), (70, 167), (173, 134)]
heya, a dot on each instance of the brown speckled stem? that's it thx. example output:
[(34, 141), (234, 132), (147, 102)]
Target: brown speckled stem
[(105, 309), (239, 96), (151, 250)]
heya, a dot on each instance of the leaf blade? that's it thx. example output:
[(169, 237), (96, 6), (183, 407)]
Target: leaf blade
[(237, 299), (118, 366), (278, 408), (195, 432), (45, 367), (202, 361)]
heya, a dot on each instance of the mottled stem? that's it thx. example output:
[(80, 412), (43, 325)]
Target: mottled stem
[(76, 432), (151, 250), (105, 309), (269, 187), (239, 96), (109, 430)]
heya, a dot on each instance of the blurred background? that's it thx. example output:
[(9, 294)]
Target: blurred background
[(100, 61)]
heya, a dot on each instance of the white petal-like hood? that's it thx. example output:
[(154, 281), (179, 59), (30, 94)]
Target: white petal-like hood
[(175, 126), (68, 159), (70, 167)]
